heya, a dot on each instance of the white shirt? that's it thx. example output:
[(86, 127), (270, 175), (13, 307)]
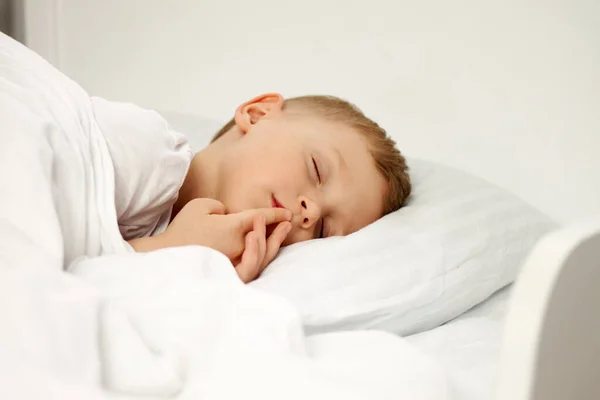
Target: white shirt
[(150, 160)]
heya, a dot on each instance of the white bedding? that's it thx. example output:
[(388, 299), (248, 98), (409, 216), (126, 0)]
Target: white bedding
[(173, 323), (468, 348)]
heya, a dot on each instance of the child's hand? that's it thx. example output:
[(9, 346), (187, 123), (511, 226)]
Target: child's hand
[(260, 251), (241, 235)]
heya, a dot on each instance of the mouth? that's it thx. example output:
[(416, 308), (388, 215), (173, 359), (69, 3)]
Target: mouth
[(275, 203)]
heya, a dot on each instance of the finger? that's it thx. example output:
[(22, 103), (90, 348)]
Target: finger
[(272, 216), (248, 267), (210, 206), (274, 243), (260, 229)]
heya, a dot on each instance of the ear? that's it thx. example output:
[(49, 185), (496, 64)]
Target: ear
[(253, 110)]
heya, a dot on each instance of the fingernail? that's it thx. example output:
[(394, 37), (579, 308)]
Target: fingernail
[(288, 228), (288, 214)]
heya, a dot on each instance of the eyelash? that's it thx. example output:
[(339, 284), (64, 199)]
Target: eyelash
[(322, 231), (316, 169)]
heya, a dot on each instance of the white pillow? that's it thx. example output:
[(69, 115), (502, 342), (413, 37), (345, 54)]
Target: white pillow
[(458, 241), (198, 130)]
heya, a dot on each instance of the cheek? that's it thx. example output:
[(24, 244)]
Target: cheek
[(252, 173), (235, 184), (277, 172)]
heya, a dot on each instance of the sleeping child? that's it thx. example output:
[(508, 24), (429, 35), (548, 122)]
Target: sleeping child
[(280, 172)]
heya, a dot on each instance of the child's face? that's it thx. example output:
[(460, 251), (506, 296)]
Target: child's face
[(322, 171)]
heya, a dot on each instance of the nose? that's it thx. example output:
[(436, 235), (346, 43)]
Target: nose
[(310, 212)]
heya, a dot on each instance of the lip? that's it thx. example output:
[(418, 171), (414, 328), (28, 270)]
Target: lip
[(275, 203)]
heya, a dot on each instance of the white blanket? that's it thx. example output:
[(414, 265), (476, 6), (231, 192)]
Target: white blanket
[(173, 323)]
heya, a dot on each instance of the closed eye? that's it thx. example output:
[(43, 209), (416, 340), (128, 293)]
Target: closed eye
[(316, 170)]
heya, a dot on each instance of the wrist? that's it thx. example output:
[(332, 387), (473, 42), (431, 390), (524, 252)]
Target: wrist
[(147, 244)]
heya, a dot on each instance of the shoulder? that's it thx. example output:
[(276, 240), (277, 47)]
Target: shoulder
[(150, 160)]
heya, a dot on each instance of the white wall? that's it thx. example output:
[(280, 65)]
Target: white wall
[(509, 90)]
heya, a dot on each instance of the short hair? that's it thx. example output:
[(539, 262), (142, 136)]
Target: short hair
[(388, 159)]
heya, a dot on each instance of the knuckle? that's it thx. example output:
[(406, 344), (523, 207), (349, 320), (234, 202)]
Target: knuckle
[(199, 203), (195, 202)]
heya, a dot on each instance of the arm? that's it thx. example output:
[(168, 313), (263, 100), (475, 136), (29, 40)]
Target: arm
[(146, 244)]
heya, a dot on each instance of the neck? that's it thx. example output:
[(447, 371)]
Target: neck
[(202, 179)]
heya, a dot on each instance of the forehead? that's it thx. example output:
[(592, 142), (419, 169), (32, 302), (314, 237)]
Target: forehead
[(356, 193)]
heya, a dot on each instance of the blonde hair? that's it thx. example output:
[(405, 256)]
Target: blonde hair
[(388, 159)]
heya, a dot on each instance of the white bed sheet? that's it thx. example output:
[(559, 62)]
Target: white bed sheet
[(468, 348)]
